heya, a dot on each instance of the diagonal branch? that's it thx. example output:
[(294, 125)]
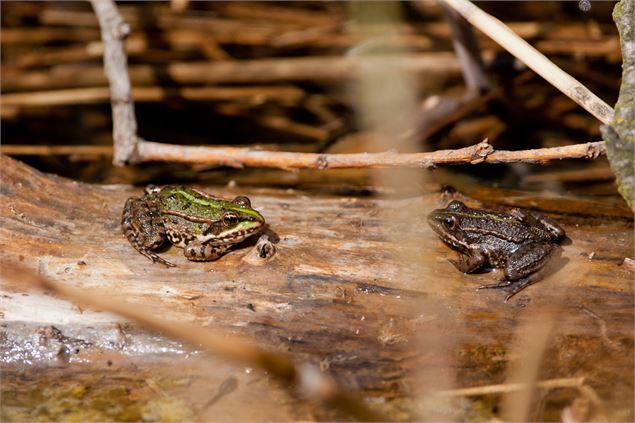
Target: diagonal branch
[(467, 50), (307, 380), (544, 67)]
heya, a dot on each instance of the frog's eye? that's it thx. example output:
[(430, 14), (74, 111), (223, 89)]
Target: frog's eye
[(152, 189), (455, 205), (450, 222), (242, 201), (230, 219)]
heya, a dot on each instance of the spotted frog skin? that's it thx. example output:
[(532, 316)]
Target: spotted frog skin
[(518, 242), (203, 225)]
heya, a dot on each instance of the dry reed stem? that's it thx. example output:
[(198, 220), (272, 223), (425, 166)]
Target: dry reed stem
[(56, 150), (322, 69), (92, 95), (308, 380), (565, 382), (504, 36)]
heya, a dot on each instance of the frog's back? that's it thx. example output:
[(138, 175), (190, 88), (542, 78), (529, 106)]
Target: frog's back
[(495, 225)]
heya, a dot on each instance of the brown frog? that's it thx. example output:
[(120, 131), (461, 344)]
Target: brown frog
[(518, 242)]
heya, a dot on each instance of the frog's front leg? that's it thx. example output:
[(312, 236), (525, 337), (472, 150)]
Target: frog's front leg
[(470, 262), (198, 251), (142, 225)]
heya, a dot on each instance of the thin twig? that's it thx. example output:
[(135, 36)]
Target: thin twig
[(246, 157), (467, 50), (308, 380), (566, 382), (504, 36), (113, 31), (239, 157)]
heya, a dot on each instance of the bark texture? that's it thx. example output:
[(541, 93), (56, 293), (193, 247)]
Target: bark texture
[(359, 286)]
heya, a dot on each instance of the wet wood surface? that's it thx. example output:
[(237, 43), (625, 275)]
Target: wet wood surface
[(358, 285)]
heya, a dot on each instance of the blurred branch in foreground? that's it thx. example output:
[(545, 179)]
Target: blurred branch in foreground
[(310, 382), (521, 49)]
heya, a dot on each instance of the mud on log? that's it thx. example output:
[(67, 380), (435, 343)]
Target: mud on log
[(354, 287)]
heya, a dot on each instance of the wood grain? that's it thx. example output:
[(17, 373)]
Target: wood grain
[(359, 286)]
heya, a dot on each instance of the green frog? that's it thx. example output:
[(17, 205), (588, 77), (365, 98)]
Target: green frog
[(203, 225), (518, 242)]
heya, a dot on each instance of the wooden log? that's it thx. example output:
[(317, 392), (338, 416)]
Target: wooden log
[(359, 286)]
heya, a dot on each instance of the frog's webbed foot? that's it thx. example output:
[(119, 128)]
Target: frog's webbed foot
[(197, 251), (502, 284), (512, 287), (516, 287), (155, 257), (142, 226)]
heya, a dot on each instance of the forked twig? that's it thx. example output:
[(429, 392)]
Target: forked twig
[(478, 153)]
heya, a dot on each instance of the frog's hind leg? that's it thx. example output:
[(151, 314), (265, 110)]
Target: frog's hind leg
[(142, 225), (528, 259), (197, 251), (522, 267)]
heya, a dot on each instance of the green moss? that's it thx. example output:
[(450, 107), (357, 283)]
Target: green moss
[(97, 399), (167, 410), (75, 403)]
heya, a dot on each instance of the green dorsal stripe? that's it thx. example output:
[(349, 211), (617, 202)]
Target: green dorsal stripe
[(215, 204), (197, 200)]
